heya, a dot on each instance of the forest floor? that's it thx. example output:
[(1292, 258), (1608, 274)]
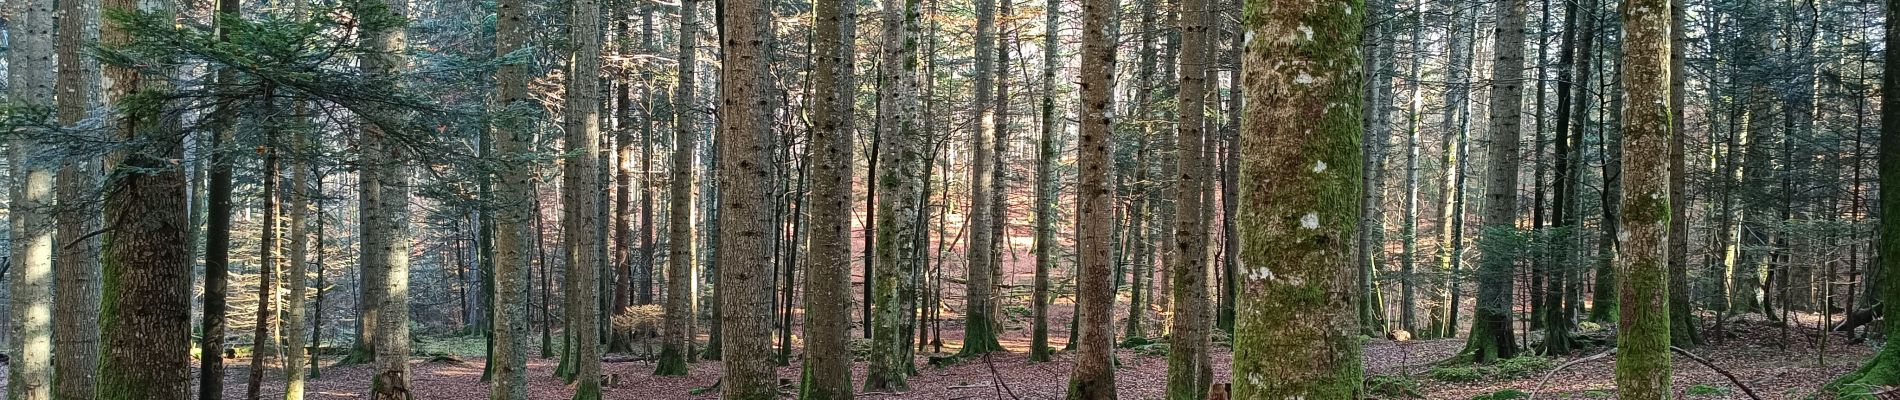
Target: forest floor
[(1752, 350)]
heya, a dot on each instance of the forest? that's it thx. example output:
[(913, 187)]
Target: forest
[(950, 199)]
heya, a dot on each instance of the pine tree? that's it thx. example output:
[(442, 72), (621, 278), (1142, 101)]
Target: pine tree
[(901, 147), (581, 180), (827, 369), (1189, 366), (386, 212), (513, 210), (1045, 196)]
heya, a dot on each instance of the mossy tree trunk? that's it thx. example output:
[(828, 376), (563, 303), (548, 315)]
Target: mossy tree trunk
[(1491, 337), (1045, 191), (900, 148), (580, 207), (144, 311), (1642, 261), (1297, 334)]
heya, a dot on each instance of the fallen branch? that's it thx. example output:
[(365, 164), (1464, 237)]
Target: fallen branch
[(1706, 363), (971, 386), (999, 378), (1553, 371)]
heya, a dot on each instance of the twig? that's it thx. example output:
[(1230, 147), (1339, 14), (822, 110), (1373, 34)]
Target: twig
[(999, 377), (971, 386), (1706, 363), (1553, 371)]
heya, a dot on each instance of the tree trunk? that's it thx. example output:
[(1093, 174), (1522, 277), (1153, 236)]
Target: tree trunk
[(218, 246), (269, 246), (676, 346), (1094, 375), (980, 327), (296, 209), (1408, 263), (1642, 362), (827, 369), (1039, 350), (144, 263), (1455, 124), (1190, 369), (390, 260), (1297, 335), (30, 78), (900, 156), (514, 213), (76, 340), (1491, 337), (580, 182), (745, 277)]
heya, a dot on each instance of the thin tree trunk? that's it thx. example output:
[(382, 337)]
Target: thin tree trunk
[(270, 240), (218, 248), (580, 180), (296, 209), (1045, 191)]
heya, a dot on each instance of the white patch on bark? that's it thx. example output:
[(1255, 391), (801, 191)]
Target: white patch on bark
[(1622, 236), (1319, 166), (1310, 221), (1306, 31), (1304, 79)]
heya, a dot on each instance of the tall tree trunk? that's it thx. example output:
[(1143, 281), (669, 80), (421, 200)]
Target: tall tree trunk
[(515, 211), (745, 277), (1045, 191), (1642, 362), (390, 260), (218, 246), (677, 344), (900, 156), (1377, 47), (1189, 366), (1296, 337), (1094, 375), (1455, 124), (1491, 337), (1408, 263), (296, 210), (269, 245), (144, 263), (1884, 368), (980, 327), (622, 264), (1229, 184), (1682, 320), (580, 204), (30, 78), (76, 340), (827, 370)]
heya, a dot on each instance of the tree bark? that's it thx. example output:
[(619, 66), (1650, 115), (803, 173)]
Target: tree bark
[(1190, 368), (1094, 375), (745, 276), (1039, 350), (514, 208), (1642, 360), (580, 182), (296, 209), (76, 340), (980, 329), (388, 218), (681, 297), (269, 247), (1491, 337), (30, 78), (901, 148), (827, 369), (144, 263)]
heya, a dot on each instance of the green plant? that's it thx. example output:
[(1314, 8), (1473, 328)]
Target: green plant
[(1457, 374), (1524, 366), (1706, 390), (1394, 386), (1506, 394)]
